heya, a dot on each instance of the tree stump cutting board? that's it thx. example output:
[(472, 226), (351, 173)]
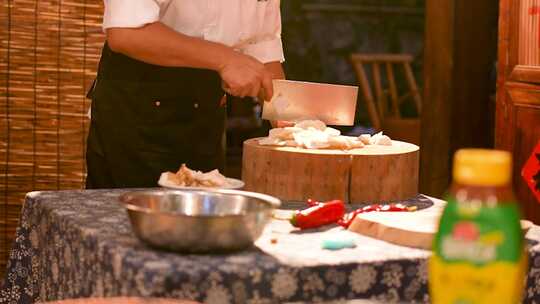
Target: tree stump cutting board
[(367, 175)]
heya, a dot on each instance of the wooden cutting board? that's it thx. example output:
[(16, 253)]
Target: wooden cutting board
[(412, 229)]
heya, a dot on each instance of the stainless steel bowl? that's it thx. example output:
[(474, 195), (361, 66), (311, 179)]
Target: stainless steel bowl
[(199, 221)]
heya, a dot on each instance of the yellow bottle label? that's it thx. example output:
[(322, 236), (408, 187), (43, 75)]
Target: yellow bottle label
[(464, 283), (478, 256)]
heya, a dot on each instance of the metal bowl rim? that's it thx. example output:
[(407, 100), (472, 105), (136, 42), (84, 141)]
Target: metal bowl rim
[(273, 202)]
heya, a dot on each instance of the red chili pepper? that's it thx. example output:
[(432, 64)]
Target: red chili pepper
[(347, 219), (374, 207), (319, 215), (385, 208), (311, 202), (344, 223), (394, 207)]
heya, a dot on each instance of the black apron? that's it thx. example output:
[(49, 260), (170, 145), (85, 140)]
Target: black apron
[(148, 119)]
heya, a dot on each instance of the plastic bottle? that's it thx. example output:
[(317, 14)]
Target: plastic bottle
[(478, 252)]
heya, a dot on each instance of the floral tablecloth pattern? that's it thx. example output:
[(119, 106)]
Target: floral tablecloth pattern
[(73, 244)]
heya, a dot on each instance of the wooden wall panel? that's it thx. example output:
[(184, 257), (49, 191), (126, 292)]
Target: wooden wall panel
[(518, 93), (529, 33)]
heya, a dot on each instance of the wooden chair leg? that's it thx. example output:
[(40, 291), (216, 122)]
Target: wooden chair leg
[(413, 86), (393, 89), (368, 96), (380, 99)]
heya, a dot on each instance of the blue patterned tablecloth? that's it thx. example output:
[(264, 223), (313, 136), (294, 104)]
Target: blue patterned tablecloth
[(73, 244)]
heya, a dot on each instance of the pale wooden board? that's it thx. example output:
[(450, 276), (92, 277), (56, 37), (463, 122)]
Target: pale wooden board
[(412, 229)]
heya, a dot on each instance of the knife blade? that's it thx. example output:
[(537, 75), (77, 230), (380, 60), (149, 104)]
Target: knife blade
[(299, 100)]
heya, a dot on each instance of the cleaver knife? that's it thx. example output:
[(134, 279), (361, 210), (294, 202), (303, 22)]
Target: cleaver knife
[(298, 100)]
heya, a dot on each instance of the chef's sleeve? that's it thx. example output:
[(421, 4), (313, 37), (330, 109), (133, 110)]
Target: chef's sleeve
[(268, 46), (130, 13)]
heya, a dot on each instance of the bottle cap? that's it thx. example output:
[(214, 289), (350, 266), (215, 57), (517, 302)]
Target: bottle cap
[(482, 167)]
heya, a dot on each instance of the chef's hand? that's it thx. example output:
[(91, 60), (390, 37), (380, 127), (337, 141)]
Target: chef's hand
[(244, 76)]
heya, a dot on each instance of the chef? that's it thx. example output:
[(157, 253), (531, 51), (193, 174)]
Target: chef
[(158, 99)]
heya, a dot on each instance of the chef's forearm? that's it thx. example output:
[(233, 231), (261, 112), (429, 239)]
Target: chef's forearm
[(276, 69), (157, 44)]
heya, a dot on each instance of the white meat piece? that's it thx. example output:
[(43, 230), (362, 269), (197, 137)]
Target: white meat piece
[(192, 178), (380, 139), (213, 178), (384, 141), (332, 131), (339, 142), (313, 134), (282, 133), (315, 124), (301, 137), (311, 139), (365, 138), (271, 141), (293, 129), (373, 138), (355, 143), (316, 143), (291, 143)]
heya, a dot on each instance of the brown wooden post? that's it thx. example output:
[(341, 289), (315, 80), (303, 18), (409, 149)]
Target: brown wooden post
[(460, 51)]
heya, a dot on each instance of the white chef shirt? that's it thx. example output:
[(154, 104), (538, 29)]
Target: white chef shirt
[(252, 27)]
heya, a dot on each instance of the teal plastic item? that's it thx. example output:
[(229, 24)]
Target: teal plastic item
[(338, 242)]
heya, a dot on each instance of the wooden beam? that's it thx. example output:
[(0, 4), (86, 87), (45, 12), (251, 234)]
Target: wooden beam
[(460, 50)]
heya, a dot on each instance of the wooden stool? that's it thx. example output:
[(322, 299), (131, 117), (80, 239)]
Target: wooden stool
[(383, 109)]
